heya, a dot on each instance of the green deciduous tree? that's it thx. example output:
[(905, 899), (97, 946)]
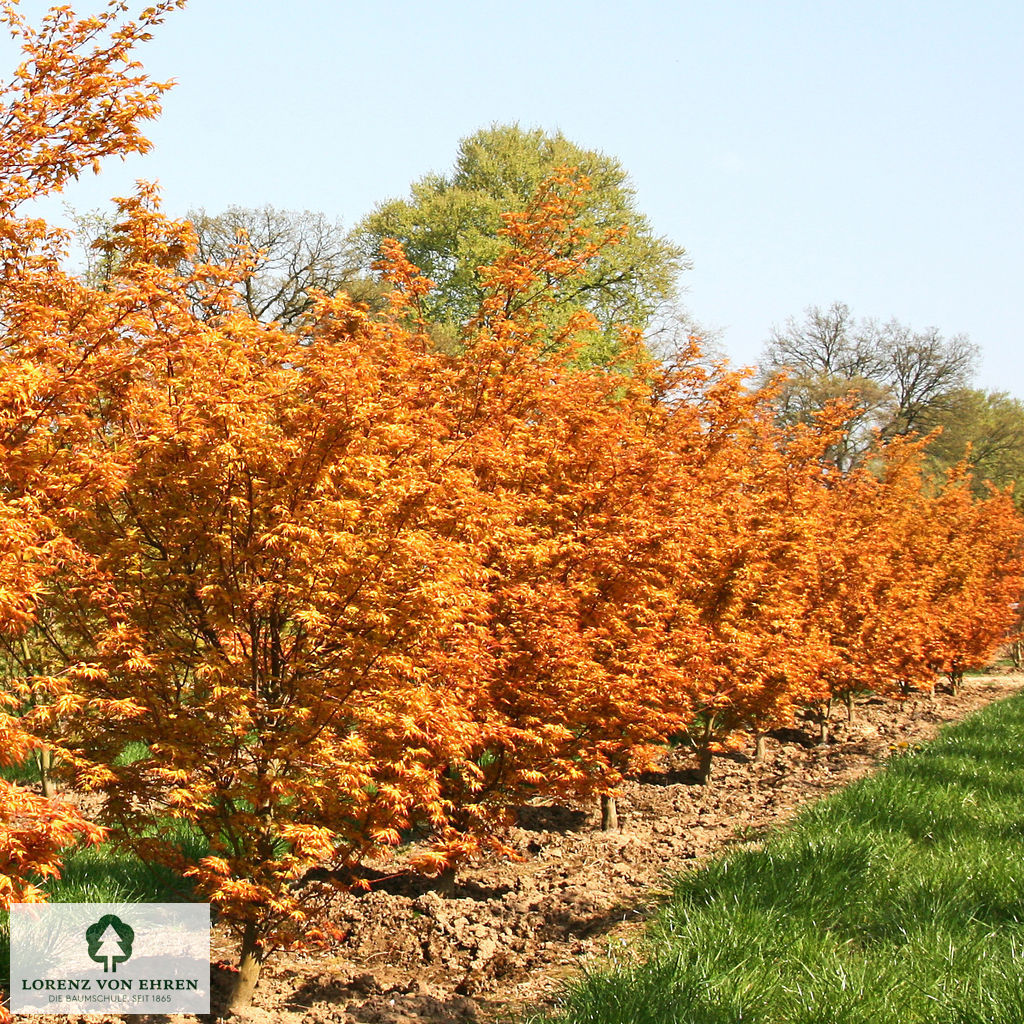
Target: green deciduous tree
[(985, 428), (450, 226)]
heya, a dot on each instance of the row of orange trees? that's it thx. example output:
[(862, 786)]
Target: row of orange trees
[(349, 589)]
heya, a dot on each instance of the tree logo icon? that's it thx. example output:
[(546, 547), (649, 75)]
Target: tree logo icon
[(110, 942)]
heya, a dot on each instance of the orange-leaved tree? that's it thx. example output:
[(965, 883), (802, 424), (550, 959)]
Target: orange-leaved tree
[(76, 97), (974, 570), (744, 526), (563, 458), (247, 580), (869, 597), (277, 580), (33, 830)]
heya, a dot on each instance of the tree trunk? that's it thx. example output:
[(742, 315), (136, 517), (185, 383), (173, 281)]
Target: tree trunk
[(955, 675), (824, 714), (609, 813), (704, 756), (44, 761), (705, 765), (760, 746), (43, 757), (249, 965), (848, 696)]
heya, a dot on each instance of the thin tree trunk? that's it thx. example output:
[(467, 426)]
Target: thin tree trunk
[(822, 730), (249, 965), (609, 813), (824, 714), (955, 675), (43, 756), (44, 761), (849, 705), (760, 746), (704, 755), (706, 764)]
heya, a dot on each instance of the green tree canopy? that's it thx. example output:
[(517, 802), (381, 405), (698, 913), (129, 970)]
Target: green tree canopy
[(449, 226), (987, 429)]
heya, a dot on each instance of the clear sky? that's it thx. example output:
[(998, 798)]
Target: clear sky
[(802, 152)]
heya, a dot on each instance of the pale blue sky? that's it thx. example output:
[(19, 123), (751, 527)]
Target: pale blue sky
[(869, 152)]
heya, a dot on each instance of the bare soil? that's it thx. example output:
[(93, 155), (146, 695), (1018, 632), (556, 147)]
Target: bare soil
[(514, 930)]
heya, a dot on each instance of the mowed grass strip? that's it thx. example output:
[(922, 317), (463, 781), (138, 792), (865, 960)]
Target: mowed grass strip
[(898, 900)]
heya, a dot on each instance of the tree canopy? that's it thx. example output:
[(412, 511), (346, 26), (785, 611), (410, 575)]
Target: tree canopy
[(986, 430), (293, 254), (450, 227), (898, 381)]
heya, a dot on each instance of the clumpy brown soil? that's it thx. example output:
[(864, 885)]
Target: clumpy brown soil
[(513, 931)]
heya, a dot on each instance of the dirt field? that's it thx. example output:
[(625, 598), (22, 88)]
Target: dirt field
[(514, 930)]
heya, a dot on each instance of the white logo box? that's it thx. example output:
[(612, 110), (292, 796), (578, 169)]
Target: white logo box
[(110, 958)]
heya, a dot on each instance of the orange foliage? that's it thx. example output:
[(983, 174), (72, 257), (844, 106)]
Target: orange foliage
[(350, 590), (974, 576), (77, 96)]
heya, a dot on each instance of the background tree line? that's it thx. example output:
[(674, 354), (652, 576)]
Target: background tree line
[(900, 380)]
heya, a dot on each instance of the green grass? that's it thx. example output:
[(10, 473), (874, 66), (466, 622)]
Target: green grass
[(899, 900), (26, 772), (105, 874)]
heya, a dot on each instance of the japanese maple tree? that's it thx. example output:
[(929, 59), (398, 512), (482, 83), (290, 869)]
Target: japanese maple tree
[(76, 97)]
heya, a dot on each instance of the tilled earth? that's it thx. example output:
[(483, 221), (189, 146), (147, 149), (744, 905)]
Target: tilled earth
[(513, 930)]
